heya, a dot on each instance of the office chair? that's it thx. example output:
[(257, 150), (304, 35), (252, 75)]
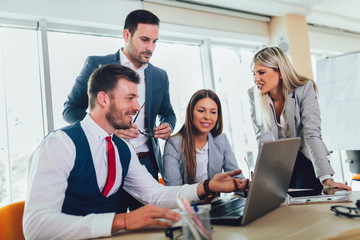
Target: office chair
[(161, 180), (11, 217), (354, 164)]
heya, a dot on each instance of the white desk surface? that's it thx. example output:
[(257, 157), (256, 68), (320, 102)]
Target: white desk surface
[(312, 221)]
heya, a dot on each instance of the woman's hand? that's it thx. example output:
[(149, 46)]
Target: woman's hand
[(330, 186)]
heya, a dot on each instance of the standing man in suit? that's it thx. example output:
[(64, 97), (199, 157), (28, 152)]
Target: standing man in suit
[(141, 31)]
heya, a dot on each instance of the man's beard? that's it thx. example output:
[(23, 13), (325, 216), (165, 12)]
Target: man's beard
[(141, 59), (117, 121), (138, 58)]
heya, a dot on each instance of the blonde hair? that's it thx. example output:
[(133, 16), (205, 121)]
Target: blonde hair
[(274, 57)]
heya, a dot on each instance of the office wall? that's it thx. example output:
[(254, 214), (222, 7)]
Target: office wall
[(218, 27), (323, 40), (90, 13), (294, 29), (110, 14)]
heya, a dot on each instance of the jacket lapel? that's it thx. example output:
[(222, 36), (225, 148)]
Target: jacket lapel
[(148, 92), (211, 153), (214, 165), (274, 128), (116, 57), (289, 111)]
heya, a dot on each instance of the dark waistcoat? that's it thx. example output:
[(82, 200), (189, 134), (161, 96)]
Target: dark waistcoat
[(82, 195)]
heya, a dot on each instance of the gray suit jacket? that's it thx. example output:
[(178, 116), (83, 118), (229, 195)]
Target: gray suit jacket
[(303, 115), (220, 157), (157, 97)]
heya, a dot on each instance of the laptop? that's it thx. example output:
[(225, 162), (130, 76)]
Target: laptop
[(268, 189)]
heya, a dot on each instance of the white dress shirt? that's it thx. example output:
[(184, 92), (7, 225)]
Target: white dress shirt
[(283, 128), (202, 160), (51, 164), (139, 143)]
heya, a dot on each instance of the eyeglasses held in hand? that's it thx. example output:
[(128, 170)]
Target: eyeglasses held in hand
[(350, 212), (136, 116), (147, 134)]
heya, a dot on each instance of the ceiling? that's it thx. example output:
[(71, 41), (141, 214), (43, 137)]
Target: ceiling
[(342, 15)]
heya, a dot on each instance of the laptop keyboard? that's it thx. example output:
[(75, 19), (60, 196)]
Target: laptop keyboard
[(227, 206)]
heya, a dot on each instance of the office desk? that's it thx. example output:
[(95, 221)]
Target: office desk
[(313, 221)]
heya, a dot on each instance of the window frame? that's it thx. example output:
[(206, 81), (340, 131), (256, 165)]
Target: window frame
[(44, 26)]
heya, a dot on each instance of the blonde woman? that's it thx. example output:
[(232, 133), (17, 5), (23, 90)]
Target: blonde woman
[(284, 105), (200, 149)]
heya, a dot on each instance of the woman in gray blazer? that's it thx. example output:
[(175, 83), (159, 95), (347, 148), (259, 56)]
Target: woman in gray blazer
[(200, 149), (284, 105)]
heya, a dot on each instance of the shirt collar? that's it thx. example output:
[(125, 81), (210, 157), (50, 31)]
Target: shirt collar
[(283, 119), (93, 128), (204, 149), (269, 99), (125, 62)]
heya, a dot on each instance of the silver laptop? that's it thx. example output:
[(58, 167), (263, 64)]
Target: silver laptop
[(268, 189)]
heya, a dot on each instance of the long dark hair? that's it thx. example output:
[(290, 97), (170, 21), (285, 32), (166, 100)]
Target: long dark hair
[(187, 131)]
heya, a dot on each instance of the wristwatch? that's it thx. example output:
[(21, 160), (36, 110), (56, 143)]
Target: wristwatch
[(328, 186), (207, 189)]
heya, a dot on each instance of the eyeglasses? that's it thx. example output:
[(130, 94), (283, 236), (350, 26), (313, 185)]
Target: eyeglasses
[(346, 211), (147, 134)]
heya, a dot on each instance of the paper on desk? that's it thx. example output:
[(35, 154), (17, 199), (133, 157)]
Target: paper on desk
[(318, 199)]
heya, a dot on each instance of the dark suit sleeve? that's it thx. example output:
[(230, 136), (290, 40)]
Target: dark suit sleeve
[(166, 111), (77, 102)]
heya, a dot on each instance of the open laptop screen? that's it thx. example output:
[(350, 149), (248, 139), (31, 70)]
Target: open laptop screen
[(268, 189)]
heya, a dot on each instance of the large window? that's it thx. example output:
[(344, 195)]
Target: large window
[(21, 103), (67, 54), (233, 77), (183, 66), (21, 122)]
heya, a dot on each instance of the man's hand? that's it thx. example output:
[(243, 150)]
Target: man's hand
[(144, 216), (224, 182), (130, 133), (163, 131)]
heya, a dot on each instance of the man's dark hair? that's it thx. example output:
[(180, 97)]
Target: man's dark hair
[(140, 16), (105, 79)]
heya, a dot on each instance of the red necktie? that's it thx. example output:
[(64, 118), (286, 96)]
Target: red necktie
[(111, 167)]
